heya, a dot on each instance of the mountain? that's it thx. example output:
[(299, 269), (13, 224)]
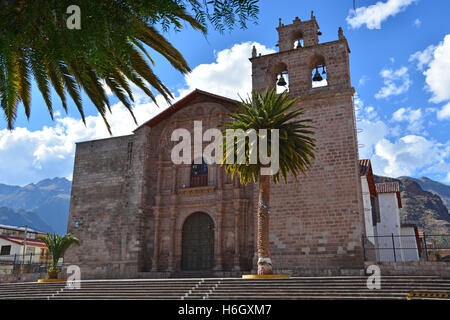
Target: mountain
[(421, 207), (48, 199), (21, 217), (442, 190)]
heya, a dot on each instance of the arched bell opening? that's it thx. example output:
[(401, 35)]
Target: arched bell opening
[(281, 77), (319, 72), (297, 40)]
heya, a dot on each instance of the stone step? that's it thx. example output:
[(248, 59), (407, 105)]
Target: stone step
[(230, 288), (233, 287)]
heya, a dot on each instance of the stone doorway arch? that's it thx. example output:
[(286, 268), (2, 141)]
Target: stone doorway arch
[(198, 242)]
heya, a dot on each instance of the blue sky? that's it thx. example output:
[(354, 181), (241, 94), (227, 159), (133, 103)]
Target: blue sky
[(400, 68)]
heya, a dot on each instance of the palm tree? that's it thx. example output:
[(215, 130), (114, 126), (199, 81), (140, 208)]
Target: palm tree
[(57, 246), (109, 49), (296, 151)]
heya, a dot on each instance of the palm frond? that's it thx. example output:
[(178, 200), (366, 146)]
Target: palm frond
[(271, 111), (113, 45)]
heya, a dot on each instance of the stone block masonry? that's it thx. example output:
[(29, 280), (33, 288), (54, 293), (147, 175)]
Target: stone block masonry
[(134, 207)]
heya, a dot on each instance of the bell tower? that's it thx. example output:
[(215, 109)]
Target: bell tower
[(317, 222), (303, 62)]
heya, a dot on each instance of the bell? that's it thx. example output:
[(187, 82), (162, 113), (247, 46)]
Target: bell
[(323, 70), (281, 82), (317, 77)]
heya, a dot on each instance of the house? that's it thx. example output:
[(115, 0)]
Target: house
[(386, 238), (412, 248), (14, 249), (7, 230), (370, 200), (388, 229)]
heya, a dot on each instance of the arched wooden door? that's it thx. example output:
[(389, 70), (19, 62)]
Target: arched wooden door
[(198, 242)]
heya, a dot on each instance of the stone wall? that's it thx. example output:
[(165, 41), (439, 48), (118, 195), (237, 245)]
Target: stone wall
[(105, 200)]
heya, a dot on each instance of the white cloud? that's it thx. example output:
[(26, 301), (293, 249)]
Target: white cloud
[(394, 154), (370, 129), (414, 119), (447, 178), (408, 114), (370, 132), (436, 60), (29, 156), (395, 82), (372, 16), (230, 74), (417, 23), (408, 155), (444, 113), (362, 81), (437, 76), (423, 58)]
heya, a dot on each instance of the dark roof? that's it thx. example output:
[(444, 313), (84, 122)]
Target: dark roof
[(183, 102), (390, 187), (364, 167)]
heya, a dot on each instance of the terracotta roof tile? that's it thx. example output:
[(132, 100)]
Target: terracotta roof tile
[(388, 187), (364, 167), (30, 242)]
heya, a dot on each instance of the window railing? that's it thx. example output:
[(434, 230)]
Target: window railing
[(199, 181)]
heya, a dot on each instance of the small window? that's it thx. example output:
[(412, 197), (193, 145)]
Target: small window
[(199, 174), (375, 210), (5, 251)]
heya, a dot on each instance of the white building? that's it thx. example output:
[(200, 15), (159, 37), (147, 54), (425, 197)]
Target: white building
[(13, 250), (410, 242), (387, 239), (369, 193), (388, 229), (7, 230)]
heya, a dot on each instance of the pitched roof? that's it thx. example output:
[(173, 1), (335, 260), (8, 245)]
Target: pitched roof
[(183, 102), (30, 242), (390, 187), (365, 169)]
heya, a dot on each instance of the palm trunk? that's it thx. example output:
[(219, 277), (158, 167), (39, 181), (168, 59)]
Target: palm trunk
[(263, 246)]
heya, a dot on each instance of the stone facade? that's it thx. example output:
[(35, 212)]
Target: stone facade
[(131, 203)]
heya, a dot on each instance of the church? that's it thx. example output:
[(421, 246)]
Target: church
[(139, 215)]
